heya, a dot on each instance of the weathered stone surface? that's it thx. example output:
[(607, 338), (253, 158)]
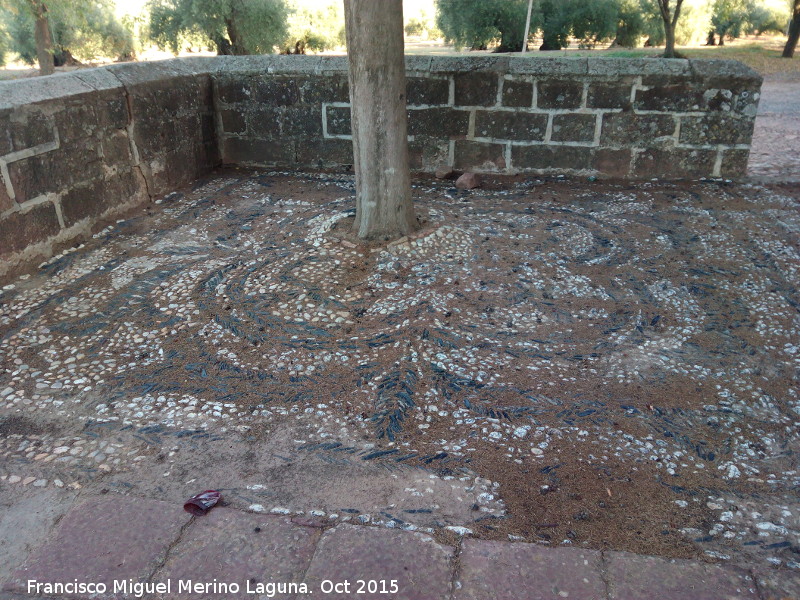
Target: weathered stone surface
[(231, 546), (553, 93), (674, 163), (777, 585), (325, 89), (325, 153), (105, 539), (635, 576), (476, 89), (253, 151), (116, 148), (31, 227), (480, 155), (51, 172), (5, 132), (569, 158), (468, 181), (263, 122), (444, 172), (302, 121), (425, 90), (573, 128), (716, 128), (613, 163), (76, 123), (96, 197), (6, 202), (668, 95), (233, 90), (233, 121), (629, 129), (337, 120), (517, 93), (527, 572), (734, 163), (443, 122), (420, 566), (550, 65), (610, 95), (112, 112), (32, 129), (425, 152), (507, 125), (275, 91)]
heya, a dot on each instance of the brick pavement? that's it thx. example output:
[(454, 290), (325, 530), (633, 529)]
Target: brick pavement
[(153, 549)]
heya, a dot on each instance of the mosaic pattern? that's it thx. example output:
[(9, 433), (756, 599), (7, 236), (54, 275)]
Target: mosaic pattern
[(649, 325)]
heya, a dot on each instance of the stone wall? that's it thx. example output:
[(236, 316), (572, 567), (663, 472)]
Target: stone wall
[(77, 149), (80, 148), (631, 118)]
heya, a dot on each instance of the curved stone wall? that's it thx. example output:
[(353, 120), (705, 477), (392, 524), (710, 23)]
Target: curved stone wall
[(80, 148)]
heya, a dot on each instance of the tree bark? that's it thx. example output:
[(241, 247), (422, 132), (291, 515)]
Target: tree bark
[(670, 19), (794, 32), (377, 78), (44, 42)]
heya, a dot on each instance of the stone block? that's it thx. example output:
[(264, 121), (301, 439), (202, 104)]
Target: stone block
[(716, 128), (233, 89), (527, 572), (231, 546), (112, 112), (116, 148), (87, 201), (611, 162), (559, 93), (507, 125), (629, 129), (479, 156), (338, 120), (426, 90), (438, 122), (677, 162), (610, 95), (667, 94), (324, 153), (517, 93), (573, 128), (302, 121), (320, 88), (570, 158), (20, 230), (5, 132), (233, 121), (426, 153), (553, 66), (37, 175), (105, 539), (31, 127), (420, 566), (635, 576), (734, 163), (258, 152), (265, 123), (275, 91), (476, 89), (6, 203), (76, 123)]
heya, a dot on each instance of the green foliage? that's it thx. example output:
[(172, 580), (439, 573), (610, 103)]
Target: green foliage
[(631, 24), (765, 19), (4, 44), (476, 24), (730, 17), (87, 29), (594, 21), (229, 26), (320, 28)]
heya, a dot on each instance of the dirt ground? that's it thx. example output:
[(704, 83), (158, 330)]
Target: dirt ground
[(604, 364)]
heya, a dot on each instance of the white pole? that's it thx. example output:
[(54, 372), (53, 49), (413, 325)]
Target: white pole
[(527, 27)]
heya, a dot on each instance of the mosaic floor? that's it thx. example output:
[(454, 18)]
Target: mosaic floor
[(558, 361)]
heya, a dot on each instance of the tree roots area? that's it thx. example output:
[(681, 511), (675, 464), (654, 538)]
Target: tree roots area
[(609, 365)]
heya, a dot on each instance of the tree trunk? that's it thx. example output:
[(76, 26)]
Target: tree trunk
[(377, 77), (237, 43), (669, 32), (711, 40), (794, 32), (44, 42)]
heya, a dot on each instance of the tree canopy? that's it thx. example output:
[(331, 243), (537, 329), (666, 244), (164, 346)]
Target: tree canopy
[(79, 28)]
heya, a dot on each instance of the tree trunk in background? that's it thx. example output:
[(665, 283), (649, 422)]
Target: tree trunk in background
[(794, 32), (44, 43), (377, 77), (670, 19)]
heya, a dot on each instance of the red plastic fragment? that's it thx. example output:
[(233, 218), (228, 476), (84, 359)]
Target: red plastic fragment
[(201, 503)]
